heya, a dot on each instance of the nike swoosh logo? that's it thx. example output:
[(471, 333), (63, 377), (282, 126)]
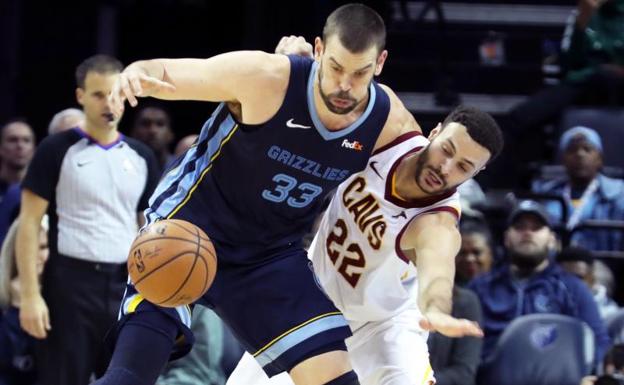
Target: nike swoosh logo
[(290, 124), (80, 164), (372, 165)]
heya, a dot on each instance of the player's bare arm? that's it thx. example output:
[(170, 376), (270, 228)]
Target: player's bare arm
[(432, 242), (33, 314), (255, 80), (400, 120)]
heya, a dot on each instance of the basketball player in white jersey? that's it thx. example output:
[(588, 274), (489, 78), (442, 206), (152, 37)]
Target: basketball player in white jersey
[(385, 249)]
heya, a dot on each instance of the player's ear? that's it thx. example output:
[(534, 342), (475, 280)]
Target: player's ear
[(435, 132), (381, 59), (318, 48)]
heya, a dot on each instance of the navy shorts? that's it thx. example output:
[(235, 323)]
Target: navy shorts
[(275, 307)]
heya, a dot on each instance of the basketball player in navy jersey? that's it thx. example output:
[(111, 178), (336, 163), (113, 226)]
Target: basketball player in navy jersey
[(289, 129)]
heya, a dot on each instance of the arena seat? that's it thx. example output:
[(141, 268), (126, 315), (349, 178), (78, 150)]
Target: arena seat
[(540, 349)]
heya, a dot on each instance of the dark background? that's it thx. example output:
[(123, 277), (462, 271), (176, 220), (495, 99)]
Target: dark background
[(43, 42)]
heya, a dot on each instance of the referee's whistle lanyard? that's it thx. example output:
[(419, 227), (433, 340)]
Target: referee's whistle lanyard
[(577, 210)]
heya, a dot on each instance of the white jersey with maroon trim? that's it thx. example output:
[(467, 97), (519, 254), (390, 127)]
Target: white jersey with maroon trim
[(356, 252)]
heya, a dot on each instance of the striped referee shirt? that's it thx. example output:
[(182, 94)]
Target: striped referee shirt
[(94, 193)]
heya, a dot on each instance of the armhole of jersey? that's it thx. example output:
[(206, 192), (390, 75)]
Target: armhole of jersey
[(397, 246), (449, 209), (398, 250), (398, 140)]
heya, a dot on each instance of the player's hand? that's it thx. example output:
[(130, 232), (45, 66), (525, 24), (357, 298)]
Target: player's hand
[(294, 45), (133, 83), (450, 326), (34, 316)]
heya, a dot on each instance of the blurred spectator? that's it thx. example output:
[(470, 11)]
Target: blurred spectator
[(471, 194), (17, 361), (184, 144), (66, 119), (529, 282), (455, 360), (17, 146), (152, 126), (613, 368), (93, 183), (476, 255), (604, 276), (579, 261), (588, 193), (593, 46), (593, 65), (205, 363)]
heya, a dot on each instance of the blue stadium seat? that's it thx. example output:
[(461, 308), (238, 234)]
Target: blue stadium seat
[(540, 349)]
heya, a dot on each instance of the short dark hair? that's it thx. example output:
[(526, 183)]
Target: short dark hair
[(18, 119), (477, 226), (481, 127), (101, 64), (357, 27)]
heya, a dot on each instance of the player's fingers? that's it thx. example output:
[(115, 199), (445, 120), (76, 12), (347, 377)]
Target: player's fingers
[(280, 45), (306, 48), (425, 324), (114, 98), (467, 327), (34, 328), (127, 91), (46, 320), (135, 85)]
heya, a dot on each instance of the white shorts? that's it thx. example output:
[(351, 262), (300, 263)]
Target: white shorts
[(391, 352)]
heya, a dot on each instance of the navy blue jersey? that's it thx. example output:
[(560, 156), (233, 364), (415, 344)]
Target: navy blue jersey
[(260, 187)]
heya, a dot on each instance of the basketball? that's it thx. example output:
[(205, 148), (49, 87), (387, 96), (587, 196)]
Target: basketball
[(172, 263)]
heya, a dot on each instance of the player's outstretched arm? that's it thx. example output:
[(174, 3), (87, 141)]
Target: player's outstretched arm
[(239, 77), (433, 242)]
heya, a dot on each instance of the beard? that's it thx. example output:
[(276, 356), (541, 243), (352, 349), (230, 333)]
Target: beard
[(344, 95), (421, 167), (528, 261)]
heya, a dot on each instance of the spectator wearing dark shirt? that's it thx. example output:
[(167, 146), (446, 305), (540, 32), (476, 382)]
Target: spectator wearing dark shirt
[(17, 145), (529, 281), (455, 360)]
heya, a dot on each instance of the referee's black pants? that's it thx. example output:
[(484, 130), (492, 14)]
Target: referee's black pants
[(83, 300)]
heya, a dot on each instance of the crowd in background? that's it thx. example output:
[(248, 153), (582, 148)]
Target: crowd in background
[(545, 257)]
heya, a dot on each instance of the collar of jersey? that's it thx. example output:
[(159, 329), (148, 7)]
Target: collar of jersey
[(92, 140), (322, 130)]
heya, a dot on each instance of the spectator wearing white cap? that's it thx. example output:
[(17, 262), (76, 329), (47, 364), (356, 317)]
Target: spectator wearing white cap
[(588, 193)]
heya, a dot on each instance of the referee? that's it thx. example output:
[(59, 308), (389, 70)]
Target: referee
[(93, 183)]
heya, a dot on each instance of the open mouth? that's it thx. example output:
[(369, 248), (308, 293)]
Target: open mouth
[(109, 116), (432, 180)]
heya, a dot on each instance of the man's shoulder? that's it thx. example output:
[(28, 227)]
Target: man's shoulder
[(137, 145), (56, 145), (483, 281), (611, 188), (550, 186)]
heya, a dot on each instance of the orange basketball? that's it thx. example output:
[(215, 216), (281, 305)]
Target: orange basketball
[(172, 263)]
